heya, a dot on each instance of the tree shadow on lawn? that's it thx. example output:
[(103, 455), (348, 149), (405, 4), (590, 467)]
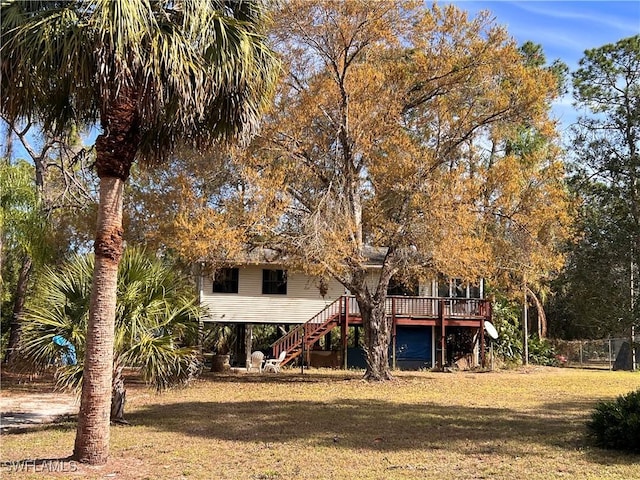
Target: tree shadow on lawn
[(372, 424), (284, 379), (66, 423)]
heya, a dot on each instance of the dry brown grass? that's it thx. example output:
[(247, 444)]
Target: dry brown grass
[(526, 424)]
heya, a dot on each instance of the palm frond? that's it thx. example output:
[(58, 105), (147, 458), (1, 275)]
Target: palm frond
[(162, 363), (198, 70), (69, 377), (45, 72), (156, 326)]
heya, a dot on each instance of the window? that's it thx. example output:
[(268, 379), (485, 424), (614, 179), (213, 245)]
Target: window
[(443, 286), (225, 280), (274, 282), (459, 289), (397, 287)]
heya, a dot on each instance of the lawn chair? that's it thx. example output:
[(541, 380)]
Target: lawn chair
[(273, 364), (256, 361)]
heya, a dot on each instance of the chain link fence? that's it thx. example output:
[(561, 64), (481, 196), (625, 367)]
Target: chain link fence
[(606, 354)]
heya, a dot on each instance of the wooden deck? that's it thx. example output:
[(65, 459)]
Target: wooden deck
[(403, 311)]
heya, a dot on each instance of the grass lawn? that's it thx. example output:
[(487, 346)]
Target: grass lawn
[(524, 424)]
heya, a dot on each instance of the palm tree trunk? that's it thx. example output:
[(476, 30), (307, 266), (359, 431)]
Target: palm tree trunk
[(118, 397), (115, 153), (18, 305), (92, 437)]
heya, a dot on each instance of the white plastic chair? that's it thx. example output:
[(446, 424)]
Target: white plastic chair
[(256, 361), (273, 364)]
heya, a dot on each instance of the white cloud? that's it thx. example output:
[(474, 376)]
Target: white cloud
[(575, 11)]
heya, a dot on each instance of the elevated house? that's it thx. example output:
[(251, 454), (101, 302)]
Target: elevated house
[(435, 323)]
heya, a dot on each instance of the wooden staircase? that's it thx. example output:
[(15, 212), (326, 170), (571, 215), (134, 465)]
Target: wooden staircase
[(431, 311), (304, 336)]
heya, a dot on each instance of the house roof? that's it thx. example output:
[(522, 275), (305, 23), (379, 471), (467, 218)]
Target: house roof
[(374, 257)]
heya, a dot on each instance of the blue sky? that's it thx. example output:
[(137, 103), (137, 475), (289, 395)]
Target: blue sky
[(565, 29)]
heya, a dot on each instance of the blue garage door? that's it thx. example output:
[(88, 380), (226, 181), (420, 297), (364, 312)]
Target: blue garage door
[(414, 347)]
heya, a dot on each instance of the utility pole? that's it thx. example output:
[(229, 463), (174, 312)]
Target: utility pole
[(525, 321)]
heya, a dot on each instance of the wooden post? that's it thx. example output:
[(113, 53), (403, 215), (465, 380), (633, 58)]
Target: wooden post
[(443, 338), (345, 332), (581, 353), (310, 346), (248, 343), (393, 333), (200, 336), (482, 360), (304, 339)]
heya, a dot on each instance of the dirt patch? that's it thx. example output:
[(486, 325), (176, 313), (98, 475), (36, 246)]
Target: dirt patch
[(35, 409), (33, 403)]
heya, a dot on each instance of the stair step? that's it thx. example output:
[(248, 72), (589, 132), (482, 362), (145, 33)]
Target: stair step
[(318, 330)]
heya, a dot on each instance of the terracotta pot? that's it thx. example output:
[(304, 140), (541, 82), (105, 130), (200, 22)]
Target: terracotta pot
[(220, 363)]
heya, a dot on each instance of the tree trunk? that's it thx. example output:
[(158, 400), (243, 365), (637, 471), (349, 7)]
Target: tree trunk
[(542, 317), (92, 436), (18, 305), (115, 153), (377, 338), (118, 397)]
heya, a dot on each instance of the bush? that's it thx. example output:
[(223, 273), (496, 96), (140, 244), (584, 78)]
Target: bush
[(541, 352), (616, 424), (508, 346)]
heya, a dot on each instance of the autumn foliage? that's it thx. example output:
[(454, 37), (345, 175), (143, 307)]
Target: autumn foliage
[(417, 130)]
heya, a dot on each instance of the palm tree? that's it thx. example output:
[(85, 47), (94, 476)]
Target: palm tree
[(155, 74), (156, 330)]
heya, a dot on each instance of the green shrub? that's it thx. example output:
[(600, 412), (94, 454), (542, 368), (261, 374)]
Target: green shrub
[(616, 424), (542, 352), (508, 346)]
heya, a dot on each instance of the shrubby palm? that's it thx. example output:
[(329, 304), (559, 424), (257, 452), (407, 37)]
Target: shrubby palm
[(156, 323), (154, 74)]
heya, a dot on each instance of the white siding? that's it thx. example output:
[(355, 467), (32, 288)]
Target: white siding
[(301, 303), (250, 305), (372, 279), (426, 289)]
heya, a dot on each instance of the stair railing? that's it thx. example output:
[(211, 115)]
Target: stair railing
[(293, 340), (399, 306)]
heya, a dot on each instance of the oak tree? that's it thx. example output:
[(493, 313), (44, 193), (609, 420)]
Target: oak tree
[(402, 128)]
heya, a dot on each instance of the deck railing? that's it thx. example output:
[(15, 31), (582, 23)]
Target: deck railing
[(466, 307), (400, 307), (429, 307)]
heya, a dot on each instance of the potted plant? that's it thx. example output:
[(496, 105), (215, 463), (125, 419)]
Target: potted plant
[(219, 339)]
